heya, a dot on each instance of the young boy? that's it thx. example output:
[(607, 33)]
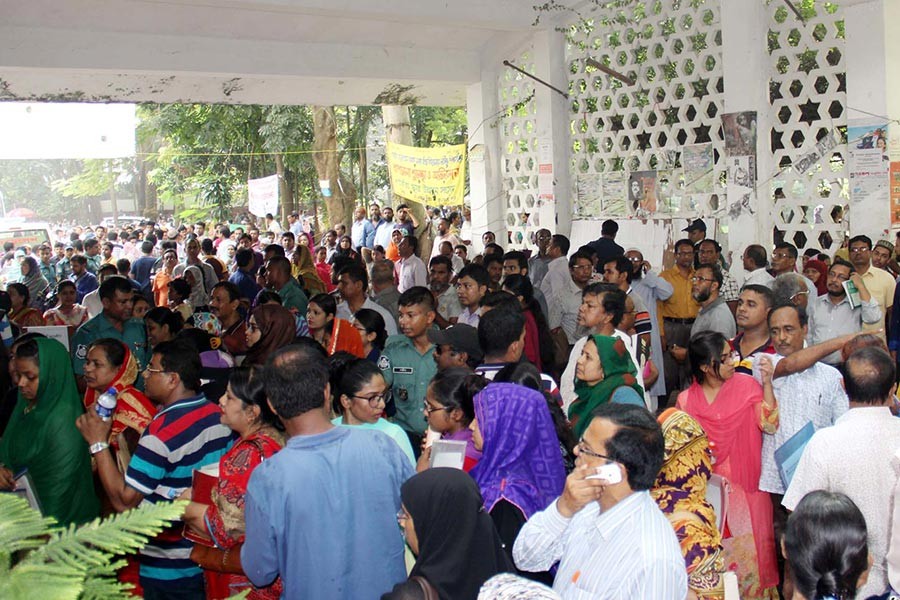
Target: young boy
[(471, 286)]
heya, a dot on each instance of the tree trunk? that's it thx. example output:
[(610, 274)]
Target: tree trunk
[(339, 206), (398, 130), (284, 189)]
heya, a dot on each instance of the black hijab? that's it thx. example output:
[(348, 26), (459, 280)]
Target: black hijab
[(459, 548)]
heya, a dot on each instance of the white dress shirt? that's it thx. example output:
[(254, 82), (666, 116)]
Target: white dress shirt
[(556, 277), (630, 551), (411, 272)]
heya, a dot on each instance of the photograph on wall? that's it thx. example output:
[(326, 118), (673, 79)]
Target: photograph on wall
[(741, 185), (642, 193), (587, 195), (740, 133), (669, 191), (699, 176), (869, 160), (614, 194)]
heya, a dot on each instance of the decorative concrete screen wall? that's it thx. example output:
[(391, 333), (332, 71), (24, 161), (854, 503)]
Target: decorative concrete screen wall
[(808, 94)]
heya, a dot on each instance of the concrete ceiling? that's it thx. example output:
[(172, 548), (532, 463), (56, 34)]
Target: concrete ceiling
[(251, 51)]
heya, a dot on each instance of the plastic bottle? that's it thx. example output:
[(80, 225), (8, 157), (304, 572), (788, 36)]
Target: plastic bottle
[(106, 404)]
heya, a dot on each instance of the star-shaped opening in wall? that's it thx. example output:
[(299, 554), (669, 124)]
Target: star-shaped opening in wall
[(809, 112), (701, 134), (617, 122), (643, 140), (808, 60), (701, 88), (671, 115)]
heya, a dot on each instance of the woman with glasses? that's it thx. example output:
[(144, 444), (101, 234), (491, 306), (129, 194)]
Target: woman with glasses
[(359, 394), (456, 545), (269, 327), (449, 411), (734, 411), (246, 411)]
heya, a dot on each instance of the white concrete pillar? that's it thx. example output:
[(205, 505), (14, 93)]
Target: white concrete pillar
[(486, 196)]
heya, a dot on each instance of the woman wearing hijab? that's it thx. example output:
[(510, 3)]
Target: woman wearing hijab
[(198, 298), (21, 314), (302, 266), (817, 271), (36, 283), (604, 373), (41, 436), (680, 492), (270, 327), (456, 546), (521, 470)]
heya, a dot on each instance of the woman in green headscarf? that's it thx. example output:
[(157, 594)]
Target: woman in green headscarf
[(604, 373), (41, 435)]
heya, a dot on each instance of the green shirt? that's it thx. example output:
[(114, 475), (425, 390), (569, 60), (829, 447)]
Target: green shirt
[(293, 297), (408, 373), (133, 335)]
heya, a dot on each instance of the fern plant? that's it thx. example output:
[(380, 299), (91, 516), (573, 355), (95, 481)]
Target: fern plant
[(74, 563)]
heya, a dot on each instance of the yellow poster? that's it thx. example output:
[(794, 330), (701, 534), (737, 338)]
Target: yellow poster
[(433, 176)]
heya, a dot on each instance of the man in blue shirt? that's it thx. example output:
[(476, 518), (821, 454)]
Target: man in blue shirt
[(332, 532), (85, 281), (243, 277), (362, 232)]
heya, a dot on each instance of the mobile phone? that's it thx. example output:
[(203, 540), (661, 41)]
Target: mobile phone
[(609, 473)]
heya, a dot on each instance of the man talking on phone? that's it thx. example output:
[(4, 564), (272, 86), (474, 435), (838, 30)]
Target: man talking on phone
[(608, 535)]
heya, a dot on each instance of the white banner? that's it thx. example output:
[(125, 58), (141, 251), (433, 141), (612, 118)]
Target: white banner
[(262, 195)]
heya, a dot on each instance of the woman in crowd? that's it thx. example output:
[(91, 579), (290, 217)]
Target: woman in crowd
[(163, 277), (603, 373), (825, 543), (66, 312), (162, 325), (335, 334), (449, 410), (179, 292), (456, 546), (680, 492), (521, 470), (538, 343), (372, 331), (732, 411), (21, 313), (36, 283), (359, 394), (141, 307), (246, 411), (301, 327), (197, 298), (270, 327), (41, 436), (344, 250), (392, 252), (817, 272), (302, 267), (323, 268)]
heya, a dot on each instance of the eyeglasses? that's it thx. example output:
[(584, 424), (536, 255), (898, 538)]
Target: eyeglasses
[(794, 298), (636, 259), (583, 449), (697, 278), (430, 409), (151, 370), (859, 249), (377, 399), (582, 267), (781, 255), (684, 254), (838, 277)]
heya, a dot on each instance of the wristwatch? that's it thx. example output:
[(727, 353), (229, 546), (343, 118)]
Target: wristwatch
[(97, 447)]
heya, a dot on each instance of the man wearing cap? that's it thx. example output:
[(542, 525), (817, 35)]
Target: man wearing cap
[(605, 246), (456, 346), (883, 257)]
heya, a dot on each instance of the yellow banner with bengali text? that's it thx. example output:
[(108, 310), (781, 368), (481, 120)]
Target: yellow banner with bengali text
[(433, 176)]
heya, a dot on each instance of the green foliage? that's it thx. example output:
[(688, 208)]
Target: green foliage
[(74, 562), (437, 125), (29, 183)]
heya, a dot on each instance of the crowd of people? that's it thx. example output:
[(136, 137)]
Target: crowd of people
[(622, 432)]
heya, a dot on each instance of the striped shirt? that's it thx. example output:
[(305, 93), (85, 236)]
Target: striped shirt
[(184, 436), (630, 551)]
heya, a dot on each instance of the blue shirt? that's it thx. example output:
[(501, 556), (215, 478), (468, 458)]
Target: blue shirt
[(362, 233), (84, 285), (246, 283), (322, 514)]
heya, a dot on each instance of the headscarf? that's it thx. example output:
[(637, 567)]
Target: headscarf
[(680, 492), (44, 440), (133, 409), (822, 282), (222, 252), (35, 281), (459, 548), (618, 371), (303, 260), (277, 326), (198, 296), (521, 461)]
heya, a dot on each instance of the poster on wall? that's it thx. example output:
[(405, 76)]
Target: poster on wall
[(587, 195), (614, 194), (869, 161), (642, 193), (741, 186), (895, 193), (262, 195), (740, 133), (669, 184), (697, 160)]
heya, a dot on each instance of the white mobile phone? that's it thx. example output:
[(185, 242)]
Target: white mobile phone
[(610, 474)]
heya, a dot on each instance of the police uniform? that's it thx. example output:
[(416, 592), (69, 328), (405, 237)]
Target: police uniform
[(408, 373), (132, 335)]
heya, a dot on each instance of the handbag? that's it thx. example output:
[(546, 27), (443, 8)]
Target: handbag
[(427, 588), (220, 561)]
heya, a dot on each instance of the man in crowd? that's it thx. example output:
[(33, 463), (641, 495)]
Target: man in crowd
[(678, 312), (244, 275), (471, 286), (832, 316), (224, 302), (446, 296), (143, 266), (406, 220), (407, 362), (605, 246), (91, 301), (618, 272), (192, 258), (410, 269), (516, 263), (185, 434), (352, 283), (652, 289), (289, 243), (854, 456), (444, 235), (608, 535), (754, 305), (714, 314), (709, 252), (48, 270), (295, 224), (566, 301), (384, 293), (878, 281), (456, 346), (349, 548), (278, 278), (92, 253), (209, 257), (383, 232), (557, 277), (784, 258), (696, 232), (85, 281)]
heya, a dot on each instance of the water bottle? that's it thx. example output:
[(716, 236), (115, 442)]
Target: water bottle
[(106, 404)]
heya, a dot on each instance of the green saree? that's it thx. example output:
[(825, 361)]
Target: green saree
[(45, 441)]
